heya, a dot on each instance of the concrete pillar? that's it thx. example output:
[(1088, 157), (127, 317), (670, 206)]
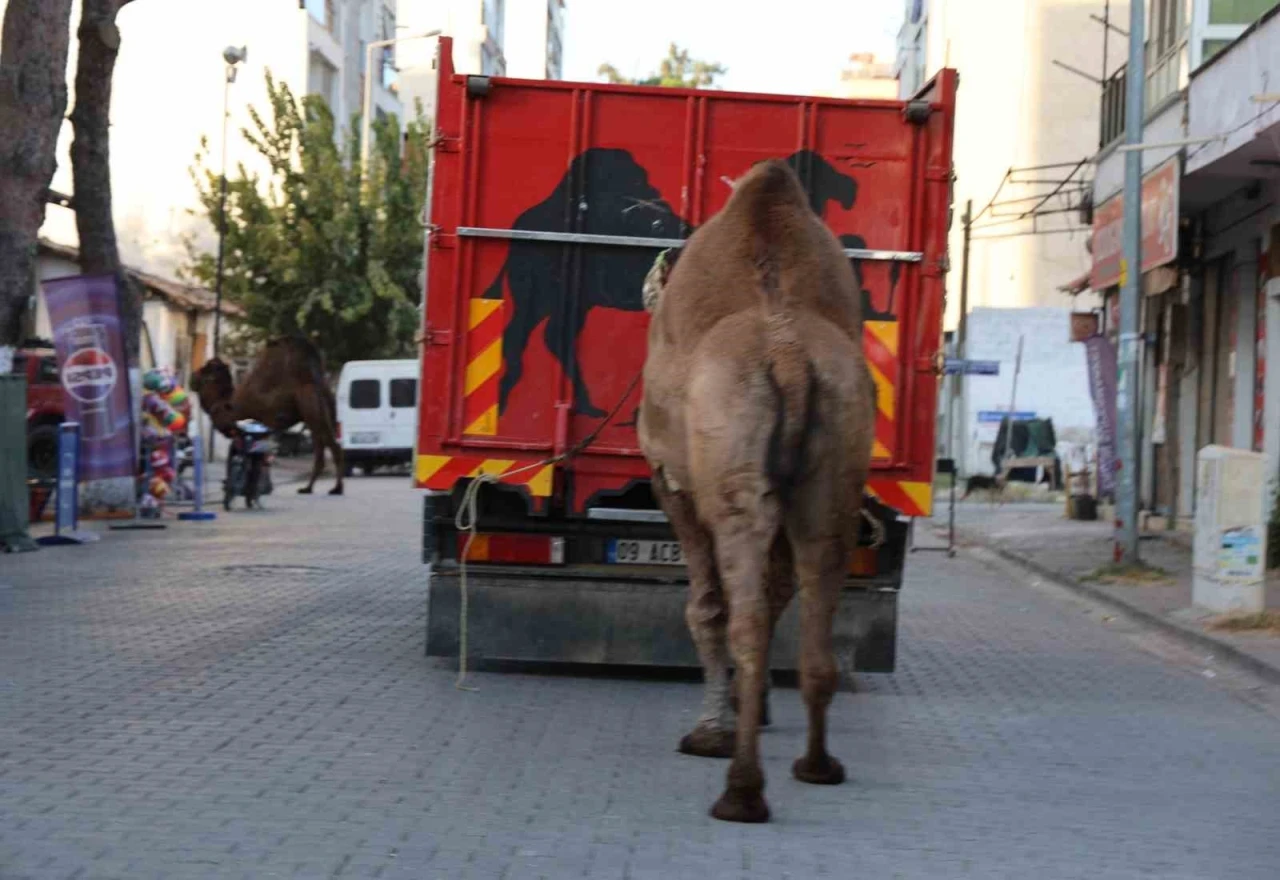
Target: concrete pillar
[(1245, 291)]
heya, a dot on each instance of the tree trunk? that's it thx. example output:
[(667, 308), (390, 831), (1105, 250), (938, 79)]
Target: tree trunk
[(90, 159), (33, 99)]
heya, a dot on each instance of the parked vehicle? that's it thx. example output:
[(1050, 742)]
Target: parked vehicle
[(377, 413), (46, 407), (249, 460), (534, 335)]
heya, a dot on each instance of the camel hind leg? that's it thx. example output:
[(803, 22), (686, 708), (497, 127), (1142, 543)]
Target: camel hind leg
[(744, 533), (820, 571), (706, 616), (315, 405)]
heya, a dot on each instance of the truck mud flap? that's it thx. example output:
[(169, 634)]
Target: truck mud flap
[(627, 623)]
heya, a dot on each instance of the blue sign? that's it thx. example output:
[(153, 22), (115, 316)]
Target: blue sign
[(66, 515), (971, 368), (198, 514), (66, 509), (988, 416)]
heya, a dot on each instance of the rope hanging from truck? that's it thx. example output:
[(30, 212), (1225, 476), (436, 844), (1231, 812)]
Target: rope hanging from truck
[(467, 516)]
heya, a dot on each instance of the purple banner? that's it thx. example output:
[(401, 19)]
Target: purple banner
[(1102, 388), (84, 312)]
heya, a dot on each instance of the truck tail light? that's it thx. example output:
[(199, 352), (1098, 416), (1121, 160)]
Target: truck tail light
[(863, 562), (513, 549), (338, 432)]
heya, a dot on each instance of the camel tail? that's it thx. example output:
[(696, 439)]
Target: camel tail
[(790, 372)]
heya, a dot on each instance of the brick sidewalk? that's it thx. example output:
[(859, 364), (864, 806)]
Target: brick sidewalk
[(1039, 535), (248, 698)]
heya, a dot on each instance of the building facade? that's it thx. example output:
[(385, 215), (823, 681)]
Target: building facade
[(1024, 138), (1017, 109), (517, 38), (1210, 309), (865, 76), (168, 94)]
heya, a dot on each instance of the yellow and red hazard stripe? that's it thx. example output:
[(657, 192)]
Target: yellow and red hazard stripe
[(440, 472), (909, 497), (880, 342), (485, 321)]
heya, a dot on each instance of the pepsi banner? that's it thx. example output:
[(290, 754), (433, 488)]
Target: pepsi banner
[(84, 312)]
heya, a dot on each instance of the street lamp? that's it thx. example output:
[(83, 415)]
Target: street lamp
[(233, 56), (366, 124)]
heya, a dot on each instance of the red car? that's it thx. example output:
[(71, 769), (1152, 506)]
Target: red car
[(46, 408)]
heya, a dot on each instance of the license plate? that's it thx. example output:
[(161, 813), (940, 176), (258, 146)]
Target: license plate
[(621, 552), (368, 438)]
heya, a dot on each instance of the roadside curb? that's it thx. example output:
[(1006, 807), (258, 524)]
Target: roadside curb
[(1181, 631)]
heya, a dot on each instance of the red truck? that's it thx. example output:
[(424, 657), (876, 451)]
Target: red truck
[(548, 203)]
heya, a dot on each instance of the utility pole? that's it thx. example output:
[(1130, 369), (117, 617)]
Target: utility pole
[(1126, 541), (962, 350)]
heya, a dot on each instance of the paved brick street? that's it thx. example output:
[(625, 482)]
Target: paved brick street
[(248, 698)]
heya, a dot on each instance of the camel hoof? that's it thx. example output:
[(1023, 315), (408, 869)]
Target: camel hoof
[(706, 742), (741, 805), (336, 490), (305, 490), (824, 771)]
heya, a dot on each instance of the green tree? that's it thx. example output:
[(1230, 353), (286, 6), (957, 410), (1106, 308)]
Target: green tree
[(677, 70), (313, 249)]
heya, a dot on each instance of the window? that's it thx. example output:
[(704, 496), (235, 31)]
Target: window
[(1218, 23), (1237, 11), (404, 393), (366, 394), (388, 75), (1213, 47), (324, 12), (492, 14), (321, 78)]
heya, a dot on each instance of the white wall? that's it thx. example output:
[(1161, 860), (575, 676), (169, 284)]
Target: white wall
[(459, 19), (1053, 383), (525, 39), (1219, 95), (1017, 109), (1108, 178)]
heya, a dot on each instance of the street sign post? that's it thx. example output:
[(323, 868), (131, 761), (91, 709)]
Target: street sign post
[(952, 366)]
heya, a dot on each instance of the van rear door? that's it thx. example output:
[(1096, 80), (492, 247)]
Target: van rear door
[(368, 406), (402, 408)]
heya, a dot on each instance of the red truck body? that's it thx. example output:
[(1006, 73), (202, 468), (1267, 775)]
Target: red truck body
[(549, 202)]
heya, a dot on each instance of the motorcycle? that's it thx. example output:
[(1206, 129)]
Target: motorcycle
[(248, 464)]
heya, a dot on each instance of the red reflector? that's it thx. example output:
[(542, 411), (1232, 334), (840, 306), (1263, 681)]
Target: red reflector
[(863, 562), (518, 549)]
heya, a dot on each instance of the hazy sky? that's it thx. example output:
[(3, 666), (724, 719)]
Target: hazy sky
[(799, 48)]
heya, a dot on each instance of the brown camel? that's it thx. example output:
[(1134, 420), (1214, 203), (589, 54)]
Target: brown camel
[(757, 419), (285, 386)]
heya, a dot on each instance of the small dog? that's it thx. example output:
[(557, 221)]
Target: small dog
[(983, 483)]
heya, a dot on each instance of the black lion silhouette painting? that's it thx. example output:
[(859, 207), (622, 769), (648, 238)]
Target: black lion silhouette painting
[(606, 192)]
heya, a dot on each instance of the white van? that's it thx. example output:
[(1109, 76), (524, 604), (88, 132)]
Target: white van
[(378, 413)]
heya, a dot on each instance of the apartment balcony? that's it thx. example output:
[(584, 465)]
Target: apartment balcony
[(1166, 78)]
